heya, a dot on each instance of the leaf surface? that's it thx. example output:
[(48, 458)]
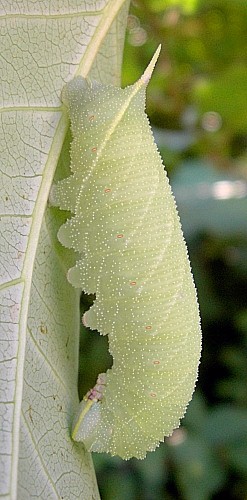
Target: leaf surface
[(44, 45)]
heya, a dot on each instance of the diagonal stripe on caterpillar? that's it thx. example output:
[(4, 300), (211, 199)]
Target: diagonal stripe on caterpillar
[(133, 257)]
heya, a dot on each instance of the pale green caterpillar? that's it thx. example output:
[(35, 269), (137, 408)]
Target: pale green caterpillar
[(133, 257)]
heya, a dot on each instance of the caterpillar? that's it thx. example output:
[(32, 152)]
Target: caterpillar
[(133, 256)]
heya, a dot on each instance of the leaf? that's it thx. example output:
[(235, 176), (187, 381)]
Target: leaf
[(225, 95), (225, 424), (42, 48), (237, 456), (198, 472)]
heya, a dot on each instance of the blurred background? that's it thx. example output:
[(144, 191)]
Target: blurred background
[(197, 106)]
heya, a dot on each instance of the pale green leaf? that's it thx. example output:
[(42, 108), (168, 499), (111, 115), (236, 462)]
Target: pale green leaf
[(43, 45)]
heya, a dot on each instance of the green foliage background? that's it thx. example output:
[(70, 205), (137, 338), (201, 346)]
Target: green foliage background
[(197, 105)]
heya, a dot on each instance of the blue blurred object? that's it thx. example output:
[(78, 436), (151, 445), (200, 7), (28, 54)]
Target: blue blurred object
[(210, 201)]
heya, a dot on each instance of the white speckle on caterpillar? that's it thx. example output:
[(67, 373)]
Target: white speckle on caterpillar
[(126, 229)]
